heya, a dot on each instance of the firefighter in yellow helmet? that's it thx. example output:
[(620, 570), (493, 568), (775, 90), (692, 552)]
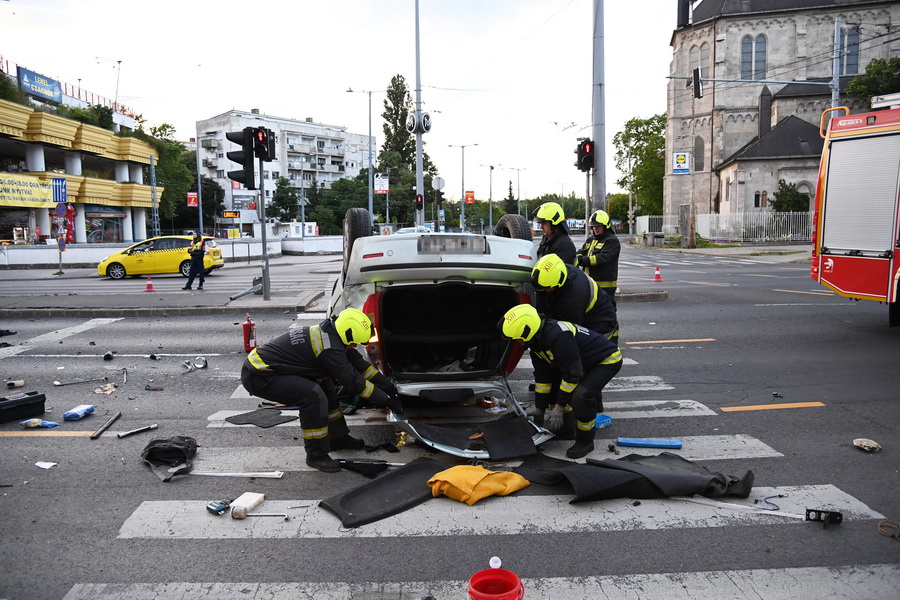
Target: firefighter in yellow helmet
[(571, 363), (599, 255), (556, 240), (300, 367)]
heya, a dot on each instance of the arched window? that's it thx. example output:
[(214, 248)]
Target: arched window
[(694, 57), (849, 44), (756, 198), (753, 57), (704, 59), (699, 158)]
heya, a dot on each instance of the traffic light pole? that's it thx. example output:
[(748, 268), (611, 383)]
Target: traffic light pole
[(265, 246)]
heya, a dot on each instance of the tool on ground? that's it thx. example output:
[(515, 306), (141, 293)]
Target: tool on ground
[(59, 383), (105, 426), (197, 363), (257, 474), (218, 507), (648, 443), (138, 430), (825, 517), (243, 514)]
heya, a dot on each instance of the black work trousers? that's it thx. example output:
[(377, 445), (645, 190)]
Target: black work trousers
[(197, 270), (320, 417)]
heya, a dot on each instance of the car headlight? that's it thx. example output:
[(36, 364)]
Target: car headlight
[(105, 258)]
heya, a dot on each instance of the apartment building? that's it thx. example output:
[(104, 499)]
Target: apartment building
[(769, 71)]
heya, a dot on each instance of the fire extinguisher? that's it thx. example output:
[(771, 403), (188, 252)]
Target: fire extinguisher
[(249, 334)]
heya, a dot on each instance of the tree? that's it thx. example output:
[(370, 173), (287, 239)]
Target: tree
[(213, 198), (642, 144), (789, 199), (510, 204), (171, 170), (617, 207), (285, 202), (882, 76)]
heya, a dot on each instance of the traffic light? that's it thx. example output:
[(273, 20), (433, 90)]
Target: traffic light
[(264, 144), (244, 157), (420, 202), (698, 83), (585, 155)]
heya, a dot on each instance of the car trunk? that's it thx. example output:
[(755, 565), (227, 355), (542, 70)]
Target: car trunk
[(445, 332)]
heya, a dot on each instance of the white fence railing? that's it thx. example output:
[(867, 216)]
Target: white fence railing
[(737, 227)]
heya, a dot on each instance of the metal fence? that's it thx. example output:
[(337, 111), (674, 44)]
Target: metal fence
[(737, 227)]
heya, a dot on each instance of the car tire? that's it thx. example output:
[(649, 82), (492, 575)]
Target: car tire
[(207, 272), (357, 224), (185, 268), (115, 271), (513, 226)]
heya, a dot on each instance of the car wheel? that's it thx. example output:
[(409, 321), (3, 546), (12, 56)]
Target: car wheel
[(513, 226), (357, 224), (207, 272), (115, 271), (185, 268)]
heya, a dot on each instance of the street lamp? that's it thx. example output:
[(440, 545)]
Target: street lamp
[(462, 196), (518, 195), (491, 196), (371, 161)]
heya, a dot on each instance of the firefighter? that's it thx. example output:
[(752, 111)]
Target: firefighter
[(300, 367), (599, 256), (566, 293), (571, 363), (556, 238)]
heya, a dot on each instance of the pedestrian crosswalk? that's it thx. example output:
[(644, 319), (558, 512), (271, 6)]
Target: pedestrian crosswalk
[(631, 399)]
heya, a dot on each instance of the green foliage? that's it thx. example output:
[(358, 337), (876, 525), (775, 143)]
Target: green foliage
[(789, 199), (212, 197), (97, 115), (881, 77), (617, 206), (172, 171), (643, 144), (397, 139), (9, 90), (510, 203), (285, 202)]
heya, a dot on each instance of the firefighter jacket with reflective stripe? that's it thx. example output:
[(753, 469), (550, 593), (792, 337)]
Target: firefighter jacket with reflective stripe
[(316, 352), (564, 352), (580, 300), (560, 244), (601, 258)]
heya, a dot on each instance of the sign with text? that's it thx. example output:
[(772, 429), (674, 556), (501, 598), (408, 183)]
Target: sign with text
[(681, 163), (192, 199), (470, 197), (231, 214), (25, 191), (39, 85), (382, 185)]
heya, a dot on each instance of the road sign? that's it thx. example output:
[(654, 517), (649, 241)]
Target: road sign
[(61, 210), (61, 243), (192, 199), (437, 183), (59, 189), (470, 197), (382, 185), (681, 163)]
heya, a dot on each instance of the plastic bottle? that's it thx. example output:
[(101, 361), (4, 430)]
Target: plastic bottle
[(78, 412)]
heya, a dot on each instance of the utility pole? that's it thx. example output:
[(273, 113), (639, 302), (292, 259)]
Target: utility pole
[(598, 110)]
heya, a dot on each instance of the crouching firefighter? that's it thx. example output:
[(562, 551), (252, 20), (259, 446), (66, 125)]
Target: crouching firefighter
[(299, 368), (572, 364)]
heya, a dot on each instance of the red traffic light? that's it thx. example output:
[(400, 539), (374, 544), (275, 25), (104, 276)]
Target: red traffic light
[(261, 136)]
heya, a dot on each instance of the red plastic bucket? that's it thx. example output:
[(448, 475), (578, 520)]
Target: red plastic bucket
[(496, 584)]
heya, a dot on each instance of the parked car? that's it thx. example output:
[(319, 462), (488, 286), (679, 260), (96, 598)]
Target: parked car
[(159, 255), (435, 300)]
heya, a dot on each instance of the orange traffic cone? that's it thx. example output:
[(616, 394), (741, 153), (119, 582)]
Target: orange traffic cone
[(149, 287), (657, 276)]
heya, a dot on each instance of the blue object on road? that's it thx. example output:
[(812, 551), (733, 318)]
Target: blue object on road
[(648, 443), (78, 412), (603, 421)]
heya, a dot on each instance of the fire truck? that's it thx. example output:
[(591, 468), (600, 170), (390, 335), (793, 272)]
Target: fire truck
[(856, 227)]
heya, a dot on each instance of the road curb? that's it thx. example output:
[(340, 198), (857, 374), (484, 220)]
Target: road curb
[(657, 296)]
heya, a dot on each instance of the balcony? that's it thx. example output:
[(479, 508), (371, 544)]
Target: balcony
[(210, 143), (133, 194), (95, 140), (134, 150), (14, 118), (209, 163), (96, 191), (51, 129)]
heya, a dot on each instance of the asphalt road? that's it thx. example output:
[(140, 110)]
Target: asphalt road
[(748, 363)]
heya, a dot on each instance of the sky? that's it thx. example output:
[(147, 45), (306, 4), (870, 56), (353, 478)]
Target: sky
[(509, 79)]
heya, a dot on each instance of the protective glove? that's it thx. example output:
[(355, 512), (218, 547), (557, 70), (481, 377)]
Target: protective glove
[(380, 398), (553, 419), (389, 388), (393, 403), (583, 261)]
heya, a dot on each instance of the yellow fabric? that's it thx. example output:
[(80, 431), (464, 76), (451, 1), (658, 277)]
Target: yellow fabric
[(470, 484)]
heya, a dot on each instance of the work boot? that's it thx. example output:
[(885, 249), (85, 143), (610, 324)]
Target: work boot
[(584, 444), (323, 462), (567, 431), (347, 442)]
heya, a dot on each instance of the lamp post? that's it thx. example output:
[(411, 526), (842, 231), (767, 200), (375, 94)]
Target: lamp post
[(387, 197), (518, 195), (490, 196), (199, 186), (371, 161), (462, 196)]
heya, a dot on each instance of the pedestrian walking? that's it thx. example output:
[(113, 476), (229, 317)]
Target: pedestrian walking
[(300, 368), (572, 364)]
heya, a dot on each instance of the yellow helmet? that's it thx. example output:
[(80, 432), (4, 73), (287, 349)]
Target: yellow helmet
[(353, 327), (599, 217), (550, 212), (549, 272), (521, 322)]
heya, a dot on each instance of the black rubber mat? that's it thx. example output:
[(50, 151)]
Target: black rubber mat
[(504, 438), (543, 469), (262, 417), (390, 494)]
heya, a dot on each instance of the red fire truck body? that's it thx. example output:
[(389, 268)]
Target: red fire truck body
[(856, 231)]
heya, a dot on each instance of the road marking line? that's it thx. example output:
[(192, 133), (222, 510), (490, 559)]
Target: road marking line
[(59, 334), (642, 409), (690, 271), (759, 275), (673, 341), (34, 432), (640, 383), (810, 293), (771, 406), (875, 582), (509, 515), (712, 284), (809, 304)]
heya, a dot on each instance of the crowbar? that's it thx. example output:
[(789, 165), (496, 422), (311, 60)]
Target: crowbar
[(105, 426), (58, 383)]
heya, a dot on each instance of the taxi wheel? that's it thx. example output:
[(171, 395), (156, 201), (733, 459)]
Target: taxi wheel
[(185, 268), (357, 224), (513, 226), (207, 272), (115, 271)]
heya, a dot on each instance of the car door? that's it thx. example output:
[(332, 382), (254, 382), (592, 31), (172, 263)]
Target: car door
[(141, 258)]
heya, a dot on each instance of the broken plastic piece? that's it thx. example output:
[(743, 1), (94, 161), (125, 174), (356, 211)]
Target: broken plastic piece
[(777, 395), (153, 388), (648, 443), (867, 445), (602, 421), (824, 516)]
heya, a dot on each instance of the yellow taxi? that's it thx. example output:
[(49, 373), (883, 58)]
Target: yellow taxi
[(166, 254)]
